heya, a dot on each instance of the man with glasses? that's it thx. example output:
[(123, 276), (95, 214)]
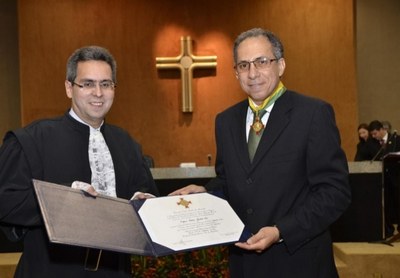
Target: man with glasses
[(281, 167), (78, 149)]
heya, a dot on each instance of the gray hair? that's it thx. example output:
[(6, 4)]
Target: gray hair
[(256, 32), (90, 53)]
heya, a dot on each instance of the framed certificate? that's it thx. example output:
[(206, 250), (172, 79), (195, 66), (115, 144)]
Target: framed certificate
[(155, 227)]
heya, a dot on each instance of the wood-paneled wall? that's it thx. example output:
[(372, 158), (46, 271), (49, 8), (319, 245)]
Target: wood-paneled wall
[(319, 46), (9, 71)]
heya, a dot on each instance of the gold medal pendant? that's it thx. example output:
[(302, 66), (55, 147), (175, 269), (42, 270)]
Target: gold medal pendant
[(257, 126)]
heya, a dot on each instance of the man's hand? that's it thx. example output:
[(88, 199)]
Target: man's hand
[(191, 188), (141, 196), (85, 187), (259, 242)]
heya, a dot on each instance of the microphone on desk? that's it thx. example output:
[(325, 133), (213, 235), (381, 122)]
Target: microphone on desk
[(209, 159), (394, 135), (379, 151)]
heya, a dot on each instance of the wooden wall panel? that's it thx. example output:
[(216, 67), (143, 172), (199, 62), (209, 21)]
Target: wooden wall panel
[(318, 37), (9, 82)]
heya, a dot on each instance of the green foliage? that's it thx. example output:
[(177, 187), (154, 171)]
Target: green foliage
[(210, 262)]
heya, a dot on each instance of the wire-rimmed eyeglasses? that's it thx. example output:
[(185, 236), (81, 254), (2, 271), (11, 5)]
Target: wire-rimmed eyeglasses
[(259, 63), (91, 84)]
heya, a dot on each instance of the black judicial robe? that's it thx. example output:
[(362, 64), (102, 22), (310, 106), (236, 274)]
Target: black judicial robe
[(58, 152)]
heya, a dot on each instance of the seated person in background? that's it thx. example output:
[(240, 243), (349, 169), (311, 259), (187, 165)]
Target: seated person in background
[(363, 149), (384, 142), (388, 142)]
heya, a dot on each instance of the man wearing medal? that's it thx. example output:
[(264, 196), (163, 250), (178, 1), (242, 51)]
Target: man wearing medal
[(281, 167)]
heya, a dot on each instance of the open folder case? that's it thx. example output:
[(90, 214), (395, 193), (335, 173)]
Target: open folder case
[(107, 223)]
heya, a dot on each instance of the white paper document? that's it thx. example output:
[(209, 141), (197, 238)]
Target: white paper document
[(190, 221)]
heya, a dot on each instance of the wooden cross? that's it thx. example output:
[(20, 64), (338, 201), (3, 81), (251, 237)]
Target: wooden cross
[(186, 62)]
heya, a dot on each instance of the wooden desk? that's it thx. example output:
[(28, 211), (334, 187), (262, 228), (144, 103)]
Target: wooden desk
[(363, 221), (170, 179)]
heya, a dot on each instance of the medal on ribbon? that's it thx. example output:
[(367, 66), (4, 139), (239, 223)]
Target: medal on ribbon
[(257, 125)]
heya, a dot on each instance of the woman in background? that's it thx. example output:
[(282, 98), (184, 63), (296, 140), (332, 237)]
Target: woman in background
[(363, 146)]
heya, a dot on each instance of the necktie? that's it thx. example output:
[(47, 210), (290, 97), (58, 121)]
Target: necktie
[(256, 131), (101, 164)]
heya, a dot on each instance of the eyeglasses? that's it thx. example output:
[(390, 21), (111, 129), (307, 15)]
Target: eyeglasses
[(260, 63), (91, 85)]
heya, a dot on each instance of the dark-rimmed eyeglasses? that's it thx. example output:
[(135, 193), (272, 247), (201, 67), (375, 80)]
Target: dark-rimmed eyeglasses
[(91, 85), (260, 63)]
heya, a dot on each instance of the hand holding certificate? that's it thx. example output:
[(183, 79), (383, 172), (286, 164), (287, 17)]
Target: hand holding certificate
[(156, 226)]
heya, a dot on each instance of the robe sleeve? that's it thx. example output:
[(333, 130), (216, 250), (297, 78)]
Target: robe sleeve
[(18, 204)]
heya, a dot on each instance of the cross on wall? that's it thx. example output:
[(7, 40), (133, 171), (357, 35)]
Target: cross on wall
[(186, 62)]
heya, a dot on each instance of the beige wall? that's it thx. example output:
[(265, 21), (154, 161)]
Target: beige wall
[(378, 60), (9, 70)]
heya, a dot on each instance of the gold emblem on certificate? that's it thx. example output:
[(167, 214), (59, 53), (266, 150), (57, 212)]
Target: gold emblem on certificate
[(184, 203)]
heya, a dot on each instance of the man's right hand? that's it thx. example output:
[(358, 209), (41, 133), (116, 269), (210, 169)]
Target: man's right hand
[(85, 187), (191, 188)]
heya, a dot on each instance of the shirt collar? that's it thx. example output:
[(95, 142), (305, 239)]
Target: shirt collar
[(385, 138), (76, 117)]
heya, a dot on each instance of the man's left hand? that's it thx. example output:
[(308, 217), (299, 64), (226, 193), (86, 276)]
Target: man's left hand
[(262, 240)]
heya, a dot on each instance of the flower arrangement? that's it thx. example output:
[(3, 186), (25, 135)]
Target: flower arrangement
[(209, 262)]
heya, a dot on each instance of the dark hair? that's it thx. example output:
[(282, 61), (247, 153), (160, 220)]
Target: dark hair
[(256, 32), (362, 126), (89, 53), (375, 125)]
